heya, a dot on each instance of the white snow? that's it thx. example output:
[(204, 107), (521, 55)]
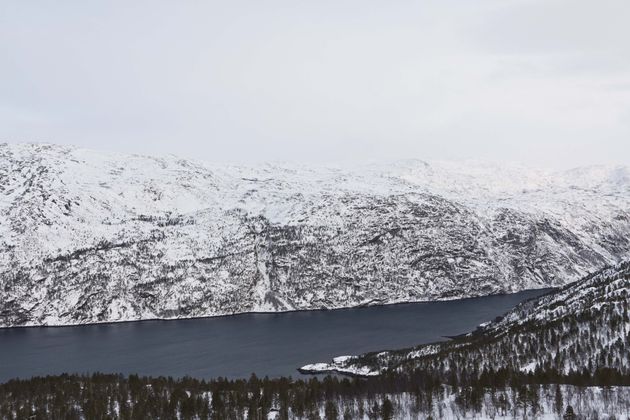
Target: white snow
[(163, 215)]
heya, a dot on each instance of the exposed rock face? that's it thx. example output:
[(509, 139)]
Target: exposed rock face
[(92, 237)]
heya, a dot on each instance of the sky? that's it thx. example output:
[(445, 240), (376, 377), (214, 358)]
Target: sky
[(542, 82)]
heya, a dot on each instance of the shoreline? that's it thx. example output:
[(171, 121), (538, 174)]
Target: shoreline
[(544, 290)]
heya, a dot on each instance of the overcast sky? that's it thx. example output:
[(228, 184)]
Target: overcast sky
[(543, 82)]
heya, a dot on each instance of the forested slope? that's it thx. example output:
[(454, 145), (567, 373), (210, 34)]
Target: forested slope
[(581, 330)]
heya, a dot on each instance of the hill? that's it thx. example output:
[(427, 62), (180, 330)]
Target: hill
[(98, 237), (579, 334)]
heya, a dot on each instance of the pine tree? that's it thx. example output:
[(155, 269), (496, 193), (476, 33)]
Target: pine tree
[(558, 402), (387, 409), (569, 414), (330, 410)]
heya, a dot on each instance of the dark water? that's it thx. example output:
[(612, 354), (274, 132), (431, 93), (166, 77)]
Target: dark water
[(236, 346)]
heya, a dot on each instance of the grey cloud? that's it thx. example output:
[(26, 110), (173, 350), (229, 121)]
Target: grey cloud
[(244, 80)]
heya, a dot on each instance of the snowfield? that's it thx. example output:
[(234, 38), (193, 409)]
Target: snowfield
[(97, 237)]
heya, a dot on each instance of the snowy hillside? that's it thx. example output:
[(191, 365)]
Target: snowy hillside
[(93, 237), (581, 329)]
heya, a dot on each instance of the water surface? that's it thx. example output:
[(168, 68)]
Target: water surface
[(236, 346)]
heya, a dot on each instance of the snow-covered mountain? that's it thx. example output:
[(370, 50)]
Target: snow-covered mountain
[(93, 237), (582, 328)]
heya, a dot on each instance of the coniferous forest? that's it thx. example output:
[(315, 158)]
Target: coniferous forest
[(416, 395), (564, 354)]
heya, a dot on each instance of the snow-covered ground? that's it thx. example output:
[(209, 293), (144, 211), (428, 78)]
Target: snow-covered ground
[(582, 327), (87, 236), (340, 364), (499, 404)]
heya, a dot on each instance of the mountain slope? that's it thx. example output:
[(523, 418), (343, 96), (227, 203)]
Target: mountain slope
[(583, 327), (95, 237)]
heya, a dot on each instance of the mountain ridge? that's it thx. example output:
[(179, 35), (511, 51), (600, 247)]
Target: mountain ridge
[(98, 237)]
